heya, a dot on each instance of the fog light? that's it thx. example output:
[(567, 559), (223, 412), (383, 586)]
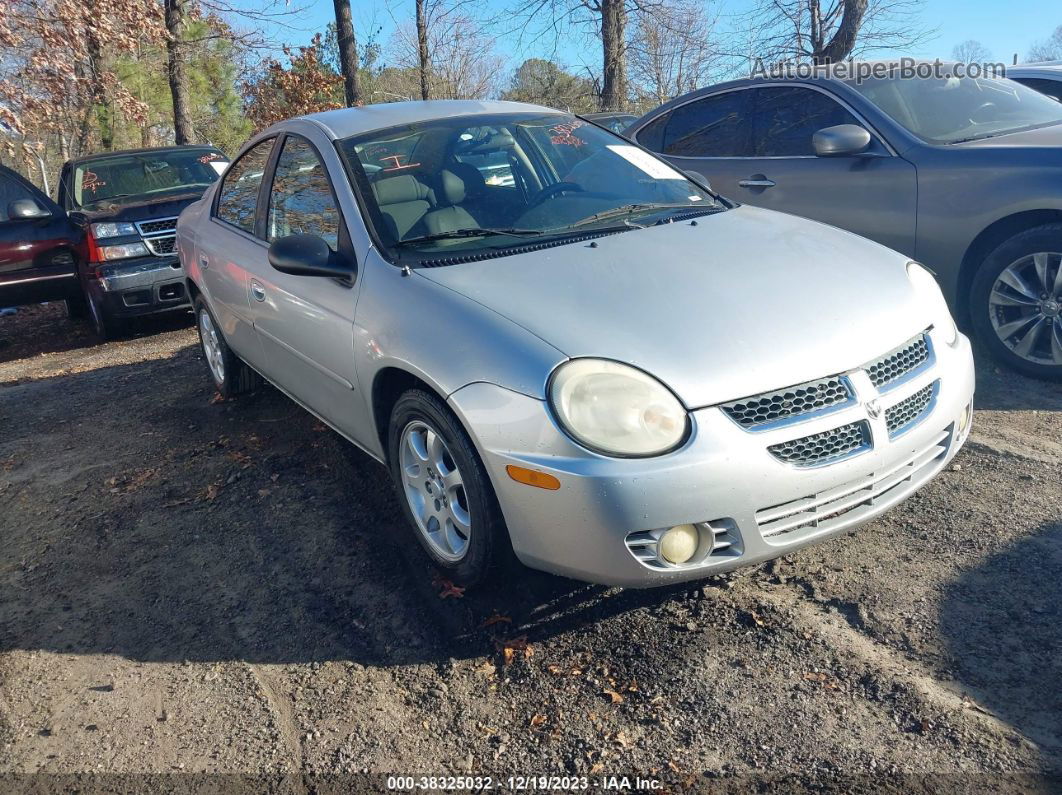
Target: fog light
[(964, 420), (679, 544)]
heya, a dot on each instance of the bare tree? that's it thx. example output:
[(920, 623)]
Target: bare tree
[(348, 52), (1050, 49), (175, 72), (829, 31), (971, 51), (671, 52), (423, 59), (448, 51), (608, 19)]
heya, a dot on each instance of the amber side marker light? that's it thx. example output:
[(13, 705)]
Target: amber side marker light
[(529, 477)]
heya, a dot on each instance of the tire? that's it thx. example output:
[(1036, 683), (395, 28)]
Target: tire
[(231, 376), (487, 549), (105, 327), (1016, 302)]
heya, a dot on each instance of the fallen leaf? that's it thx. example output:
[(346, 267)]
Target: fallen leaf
[(486, 667), (510, 648), (218, 398), (263, 492), (212, 491), (496, 618), (673, 766), (612, 694), (597, 767), (447, 590), (815, 676), (538, 720)]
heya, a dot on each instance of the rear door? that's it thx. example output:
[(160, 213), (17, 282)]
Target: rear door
[(228, 247), (305, 324)]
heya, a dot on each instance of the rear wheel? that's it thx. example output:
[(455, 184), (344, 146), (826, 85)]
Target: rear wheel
[(444, 490), (230, 375), (1016, 302)]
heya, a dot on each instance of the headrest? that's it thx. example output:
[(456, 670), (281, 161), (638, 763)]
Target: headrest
[(453, 187), (403, 188)]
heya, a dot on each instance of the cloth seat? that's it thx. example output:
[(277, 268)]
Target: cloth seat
[(455, 189), (404, 201)]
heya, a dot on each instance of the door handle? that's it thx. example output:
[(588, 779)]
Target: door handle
[(756, 182), (203, 261), (257, 291)]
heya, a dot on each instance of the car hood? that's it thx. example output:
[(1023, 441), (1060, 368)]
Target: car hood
[(133, 208), (740, 303)]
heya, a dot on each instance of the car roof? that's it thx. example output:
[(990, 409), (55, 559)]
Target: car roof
[(1050, 70), (148, 150), (345, 122)]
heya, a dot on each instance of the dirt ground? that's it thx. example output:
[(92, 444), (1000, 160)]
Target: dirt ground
[(192, 586)]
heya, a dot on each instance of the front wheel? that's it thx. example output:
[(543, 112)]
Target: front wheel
[(1016, 302), (230, 375), (444, 490)]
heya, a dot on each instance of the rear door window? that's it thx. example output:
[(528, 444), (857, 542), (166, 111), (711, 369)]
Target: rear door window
[(238, 192), (709, 127)]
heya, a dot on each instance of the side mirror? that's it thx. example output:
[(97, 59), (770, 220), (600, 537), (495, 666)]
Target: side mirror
[(840, 141), (24, 209), (699, 178), (308, 255)]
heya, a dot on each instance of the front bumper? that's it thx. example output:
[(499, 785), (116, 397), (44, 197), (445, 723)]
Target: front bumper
[(723, 477), (141, 286)]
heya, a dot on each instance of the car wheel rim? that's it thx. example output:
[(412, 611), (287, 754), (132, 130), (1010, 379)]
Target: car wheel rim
[(435, 491), (1025, 307), (212, 347)]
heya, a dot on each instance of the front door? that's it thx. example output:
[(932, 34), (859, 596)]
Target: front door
[(754, 145), (305, 324)]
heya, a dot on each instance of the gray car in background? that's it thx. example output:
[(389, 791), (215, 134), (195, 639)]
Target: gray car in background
[(593, 361), (963, 174), (1044, 77)]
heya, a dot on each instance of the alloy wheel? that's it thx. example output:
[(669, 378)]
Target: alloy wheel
[(1025, 307), (212, 346), (435, 491)]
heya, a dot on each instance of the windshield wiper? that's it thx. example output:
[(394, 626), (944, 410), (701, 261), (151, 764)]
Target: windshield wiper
[(631, 209), (474, 232)]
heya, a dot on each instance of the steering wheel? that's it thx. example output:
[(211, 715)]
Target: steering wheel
[(550, 191)]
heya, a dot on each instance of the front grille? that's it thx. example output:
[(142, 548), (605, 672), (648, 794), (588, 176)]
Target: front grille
[(161, 246), (825, 447), (156, 226), (849, 502), (899, 362), (906, 414), (796, 401)]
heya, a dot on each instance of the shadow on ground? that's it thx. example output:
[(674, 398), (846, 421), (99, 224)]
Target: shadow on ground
[(1000, 622), (148, 520)]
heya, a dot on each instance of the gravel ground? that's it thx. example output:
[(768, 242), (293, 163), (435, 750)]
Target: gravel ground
[(195, 586)]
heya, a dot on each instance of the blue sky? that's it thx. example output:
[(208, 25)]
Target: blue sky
[(1003, 29)]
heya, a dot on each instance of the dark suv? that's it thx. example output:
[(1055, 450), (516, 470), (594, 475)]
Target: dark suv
[(127, 203), (38, 247)]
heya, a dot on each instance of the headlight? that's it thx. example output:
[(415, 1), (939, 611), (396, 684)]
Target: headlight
[(933, 299), (112, 229), (616, 409), (123, 251)]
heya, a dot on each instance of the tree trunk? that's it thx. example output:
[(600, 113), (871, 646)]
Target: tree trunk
[(613, 45), (422, 50), (182, 119), (348, 52), (844, 40)]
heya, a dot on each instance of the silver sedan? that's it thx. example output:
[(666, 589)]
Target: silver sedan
[(562, 347)]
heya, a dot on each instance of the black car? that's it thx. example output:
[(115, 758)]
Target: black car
[(38, 247), (127, 203)]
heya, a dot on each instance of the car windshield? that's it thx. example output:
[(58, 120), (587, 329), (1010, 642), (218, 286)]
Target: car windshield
[(131, 176), (487, 183), (948, 110)]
